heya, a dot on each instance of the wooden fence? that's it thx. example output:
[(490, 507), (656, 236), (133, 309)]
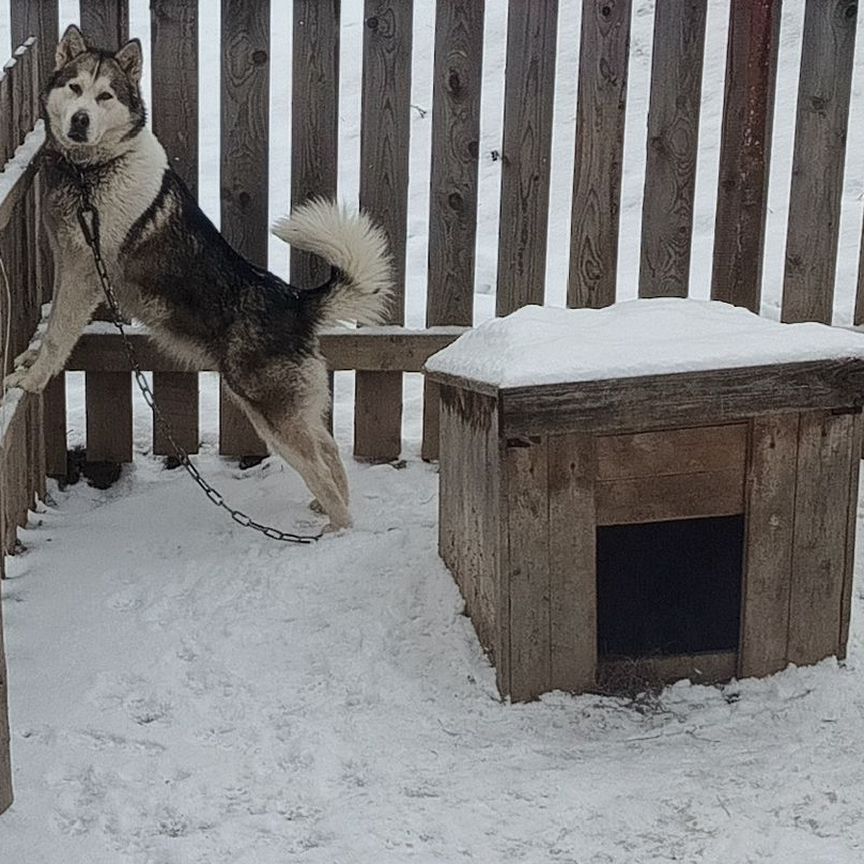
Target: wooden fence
[(33, 436)]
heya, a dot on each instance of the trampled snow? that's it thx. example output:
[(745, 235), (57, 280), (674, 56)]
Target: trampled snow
[(550, 345), (183, 692)]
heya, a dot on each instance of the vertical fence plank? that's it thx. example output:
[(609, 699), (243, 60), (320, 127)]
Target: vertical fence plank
[(314, 123), (384, 137), (529, 91), (824, 89), (453, 183), (314, 119), (673, 140), (745, 151), (105, 23), (5, 742), (37, 18), (601, 101), (174, 50), (107, 395), (244, 168)]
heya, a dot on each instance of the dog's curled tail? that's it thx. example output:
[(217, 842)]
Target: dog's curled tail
[(355, 246)]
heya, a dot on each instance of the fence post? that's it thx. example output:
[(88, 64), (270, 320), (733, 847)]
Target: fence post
[(745, 151), (673, 142), (384, 137), (174, 76), (824, 88), (108, 395), (453, 182), (244, 169)]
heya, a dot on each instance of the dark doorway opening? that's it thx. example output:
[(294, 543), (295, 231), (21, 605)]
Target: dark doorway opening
[(668, 588)]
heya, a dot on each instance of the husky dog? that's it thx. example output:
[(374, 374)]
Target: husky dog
[(171, 269)]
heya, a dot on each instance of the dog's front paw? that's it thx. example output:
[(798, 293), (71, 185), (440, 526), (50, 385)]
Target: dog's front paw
[(27, 379), (26, 358)]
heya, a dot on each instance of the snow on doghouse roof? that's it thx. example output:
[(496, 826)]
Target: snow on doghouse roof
[(550, 345)]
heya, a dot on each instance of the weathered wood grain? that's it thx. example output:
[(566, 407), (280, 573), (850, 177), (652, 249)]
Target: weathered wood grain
[(529, 91), (314, 119), (819, 558), (601, 101), (571, 467), (771, 483), (851, 526), (468, 508), (384, 138), (745, 151), (244, 168), (108, 407), (174, 48), (105, 23), (37, 18), (672, 451), (453, 180), (6, 795), (54, 425), (716, 396), (672, 496), (372, 349), (673, 140), (526, 581), (824, 88)]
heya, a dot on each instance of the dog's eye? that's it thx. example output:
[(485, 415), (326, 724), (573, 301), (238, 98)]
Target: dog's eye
[(75, 89), (104, 97)]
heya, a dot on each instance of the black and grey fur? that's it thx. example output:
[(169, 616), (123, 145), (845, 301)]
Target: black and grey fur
[(205, 304)]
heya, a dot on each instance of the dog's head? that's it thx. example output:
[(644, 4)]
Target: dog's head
[(92, 103)]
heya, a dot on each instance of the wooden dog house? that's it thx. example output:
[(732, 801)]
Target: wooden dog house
[(665, 486)]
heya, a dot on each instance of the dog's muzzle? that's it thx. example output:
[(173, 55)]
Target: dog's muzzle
[(78, 126)]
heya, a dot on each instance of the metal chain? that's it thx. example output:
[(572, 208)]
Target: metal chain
[(88, 218)]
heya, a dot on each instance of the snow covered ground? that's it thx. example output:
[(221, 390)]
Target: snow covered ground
[(184, 692)]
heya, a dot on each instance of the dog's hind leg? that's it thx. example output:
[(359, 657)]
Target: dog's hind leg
[(308, 448)]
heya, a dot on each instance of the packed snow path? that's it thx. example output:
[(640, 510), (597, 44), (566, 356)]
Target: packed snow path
[(184, 692)]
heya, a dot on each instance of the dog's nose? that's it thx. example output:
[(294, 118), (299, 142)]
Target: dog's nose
[(78, 126)]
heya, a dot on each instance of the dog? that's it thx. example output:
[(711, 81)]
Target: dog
[(205, 305)]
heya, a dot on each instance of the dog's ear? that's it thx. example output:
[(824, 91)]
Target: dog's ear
[(131, 60), (69, 47)]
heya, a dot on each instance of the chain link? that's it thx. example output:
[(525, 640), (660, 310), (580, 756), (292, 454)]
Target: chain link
[(88, 218)]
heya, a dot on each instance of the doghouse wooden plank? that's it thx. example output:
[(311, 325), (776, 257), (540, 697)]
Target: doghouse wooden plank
[(526, 582), (824, 89), (108, 400), (314, 119), (453, 180), (673, 140), (825, 443), (600, 108), (673, 496), (745, 151), (851, 525), (384, 138), (672, 451), (105, 23), (529, 91), (468, 507), (244, 168), (571, 465), (174, 47), (687, 399), (771, 483)]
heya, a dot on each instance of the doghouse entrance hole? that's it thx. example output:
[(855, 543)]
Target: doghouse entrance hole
[(668, 588)]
